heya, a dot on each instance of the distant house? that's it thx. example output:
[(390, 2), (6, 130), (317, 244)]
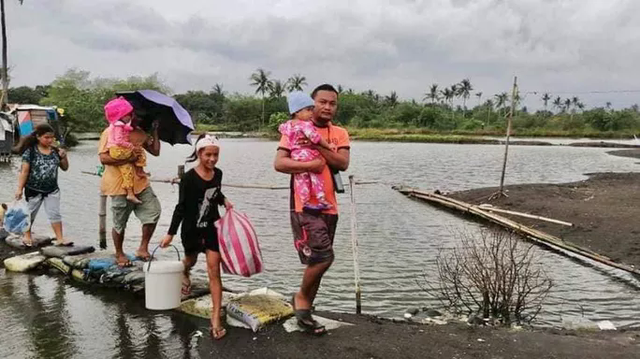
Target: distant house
[(7, 133), (30, 116)]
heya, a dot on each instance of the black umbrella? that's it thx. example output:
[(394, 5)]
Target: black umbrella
[(174, 122)]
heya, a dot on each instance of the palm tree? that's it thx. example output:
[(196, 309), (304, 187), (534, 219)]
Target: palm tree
[(276, 89), (608, 105), (501, 101), (558, 103), (340, 89), (545, 99), (5, 72), (217, 90), (464, 91), (433, 94), (296, 83), (262, 83), (479, 96), (448, 94), (392, 99), (489, 105), (567, 104)]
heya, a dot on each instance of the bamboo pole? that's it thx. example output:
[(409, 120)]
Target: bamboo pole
[(539, 237), (102, 220), (354, 246), (490, 208), (506, 143)]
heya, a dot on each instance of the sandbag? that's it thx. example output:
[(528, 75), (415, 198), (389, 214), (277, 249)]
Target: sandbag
[(131, 278), (17, 218), (62, 251), (15, 241), (201, 306), (58, 264), (258, 310), (97, 266), (24, 262), (79, 275), (81, 261)]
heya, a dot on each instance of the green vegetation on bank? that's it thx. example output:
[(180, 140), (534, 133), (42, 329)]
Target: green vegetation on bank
[(450, 114)]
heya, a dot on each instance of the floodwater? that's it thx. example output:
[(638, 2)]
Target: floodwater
[(399, 240)]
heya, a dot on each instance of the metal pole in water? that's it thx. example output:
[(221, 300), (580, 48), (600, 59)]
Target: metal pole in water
[(102, 219), (354, 245)]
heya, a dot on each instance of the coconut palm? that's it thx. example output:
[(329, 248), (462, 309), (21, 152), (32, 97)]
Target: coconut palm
[(489, 105), (392, 99), (501, 101), (276, 89), (296, 83), (567, 104), (433, 94), (479, 96), (217, 90), (448, 94), (260, 79), (558, 103), (545, 99), (5, 72), (340, 89), (608, 105), (464, 91)]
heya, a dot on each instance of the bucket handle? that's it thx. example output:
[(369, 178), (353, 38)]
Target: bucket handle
[(154, 253)]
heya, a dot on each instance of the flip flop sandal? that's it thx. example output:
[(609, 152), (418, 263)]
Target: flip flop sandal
[(308, 324), (28, 245), (124, 264), (186, 289), (143, 258), (65, 244), (218, 333)]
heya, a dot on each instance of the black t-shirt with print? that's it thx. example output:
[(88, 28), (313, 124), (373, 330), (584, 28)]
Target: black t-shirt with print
[(197, 207)]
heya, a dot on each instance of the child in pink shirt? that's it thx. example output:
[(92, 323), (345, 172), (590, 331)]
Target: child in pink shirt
[(119, 114), (306, 184)]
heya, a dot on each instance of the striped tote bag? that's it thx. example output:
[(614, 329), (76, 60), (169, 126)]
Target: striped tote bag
[(239, 246)]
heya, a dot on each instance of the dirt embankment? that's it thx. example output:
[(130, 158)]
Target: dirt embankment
[(605, 211), (374, 338)]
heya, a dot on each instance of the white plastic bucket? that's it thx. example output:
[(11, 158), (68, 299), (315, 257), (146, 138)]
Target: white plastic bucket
[(163, 283)]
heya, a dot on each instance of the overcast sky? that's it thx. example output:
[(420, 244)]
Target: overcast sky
[(402, 45)]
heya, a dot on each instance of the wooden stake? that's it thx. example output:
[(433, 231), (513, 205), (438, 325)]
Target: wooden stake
[(354, 245), (506, 143), (180, 171), (102, 219)]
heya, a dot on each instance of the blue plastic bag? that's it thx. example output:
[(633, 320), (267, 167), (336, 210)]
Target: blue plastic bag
[(17, 218)]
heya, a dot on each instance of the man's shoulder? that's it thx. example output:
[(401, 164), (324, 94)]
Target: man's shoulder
[(339, 130)]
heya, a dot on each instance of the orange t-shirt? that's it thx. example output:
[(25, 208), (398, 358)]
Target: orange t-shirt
[(111, 183), (337, 136)]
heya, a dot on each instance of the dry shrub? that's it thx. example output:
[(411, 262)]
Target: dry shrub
[(494, 274)]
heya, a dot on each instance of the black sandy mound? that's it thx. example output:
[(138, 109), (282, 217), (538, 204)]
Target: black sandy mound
[(605, 211)]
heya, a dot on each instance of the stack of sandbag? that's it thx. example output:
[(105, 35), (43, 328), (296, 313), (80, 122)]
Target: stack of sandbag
[(105, 271), (55, 255), (24, 262), (201, 306), (259, 308), (16, 241)]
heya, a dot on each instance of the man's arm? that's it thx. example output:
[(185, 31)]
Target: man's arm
[(107, 160), (283, 163), (154, 147), (336, 160)]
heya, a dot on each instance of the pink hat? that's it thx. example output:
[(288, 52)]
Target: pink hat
[(117, 109)]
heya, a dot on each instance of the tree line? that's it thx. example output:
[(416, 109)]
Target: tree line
[(442, 109)]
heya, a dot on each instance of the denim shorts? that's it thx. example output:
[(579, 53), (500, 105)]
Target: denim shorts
[(148, 212)]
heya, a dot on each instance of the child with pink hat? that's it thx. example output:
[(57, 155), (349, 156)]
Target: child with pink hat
[(119, 114)]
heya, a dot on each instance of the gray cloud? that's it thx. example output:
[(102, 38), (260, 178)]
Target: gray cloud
[(571, 45)]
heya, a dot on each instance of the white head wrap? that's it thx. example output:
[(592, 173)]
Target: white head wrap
[(207, 141)]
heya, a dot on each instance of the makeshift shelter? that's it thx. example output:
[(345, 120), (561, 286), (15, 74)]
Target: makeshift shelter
[(6, 136)]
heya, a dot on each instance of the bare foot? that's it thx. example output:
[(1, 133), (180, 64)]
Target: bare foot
[(143, 255), (123, 261), (134, 199)]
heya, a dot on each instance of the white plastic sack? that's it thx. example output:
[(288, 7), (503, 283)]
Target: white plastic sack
[(17, 218), (239, 247)]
